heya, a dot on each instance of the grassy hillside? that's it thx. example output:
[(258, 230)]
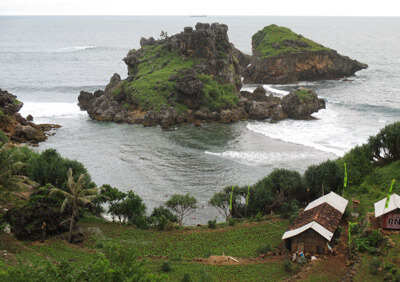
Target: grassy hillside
[(274, 40)]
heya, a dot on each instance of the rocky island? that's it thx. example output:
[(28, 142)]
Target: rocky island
[(190, 77), (281, 56), (16, 127)]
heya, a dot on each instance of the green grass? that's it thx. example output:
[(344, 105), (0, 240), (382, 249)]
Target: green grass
[(218, 96), (178, 247), (1, 113), (241, 242), (375, 186), (264, 40), (151, 86), (304, 95), (17, 102), (253, 272)]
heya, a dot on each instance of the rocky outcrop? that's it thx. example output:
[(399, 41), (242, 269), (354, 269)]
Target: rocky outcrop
[(301, 103), (281, 56), (172, 78), (16, 127), (191, 77)]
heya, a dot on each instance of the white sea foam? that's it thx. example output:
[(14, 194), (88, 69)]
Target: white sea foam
[(258, 158), (76, 48), (269, 88), (324, 134), (44, 112)]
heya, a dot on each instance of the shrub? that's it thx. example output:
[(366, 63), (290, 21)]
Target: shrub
[(212, 224), (3, 137), (287, 266), (161, 217), (388, 266), (374, 266), (166, 267), (232, 222), (263, 249), (187, 277)]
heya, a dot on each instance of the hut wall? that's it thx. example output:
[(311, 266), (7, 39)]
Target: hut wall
[(311, 241), (391, 220)]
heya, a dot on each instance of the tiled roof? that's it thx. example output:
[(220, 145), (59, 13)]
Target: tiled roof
[(324, 214)]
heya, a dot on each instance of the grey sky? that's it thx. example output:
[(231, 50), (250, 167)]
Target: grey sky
[(209, 7)]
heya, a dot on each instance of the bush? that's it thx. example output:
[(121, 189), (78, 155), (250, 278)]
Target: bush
[(161, 217), (187, 277), (3, 137), (212, 224), (287, 266), (50, 168), (231, 222), (327, 174), (166, 267), (263, 249), (374, 266)]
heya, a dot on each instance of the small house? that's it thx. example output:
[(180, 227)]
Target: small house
[(388, 217), (314, 228)]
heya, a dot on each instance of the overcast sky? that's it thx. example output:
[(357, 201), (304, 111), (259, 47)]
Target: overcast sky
[(208, 7)]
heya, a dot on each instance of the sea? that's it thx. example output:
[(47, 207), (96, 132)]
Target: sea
[(47, 60)]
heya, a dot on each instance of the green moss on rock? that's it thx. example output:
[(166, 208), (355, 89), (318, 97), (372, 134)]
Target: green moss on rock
[(216, 96), (151, 86), (304, 95), (274, 40)]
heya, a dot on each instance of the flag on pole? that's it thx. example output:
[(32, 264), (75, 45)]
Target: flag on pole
[(345, 176), (248, 193), (230, 202), (351, 224), (388, 195)]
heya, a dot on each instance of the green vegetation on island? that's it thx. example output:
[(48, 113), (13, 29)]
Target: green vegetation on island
[(274, 40)]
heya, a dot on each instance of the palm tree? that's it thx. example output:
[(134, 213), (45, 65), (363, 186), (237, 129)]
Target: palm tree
[(76, 196), (10, 166)]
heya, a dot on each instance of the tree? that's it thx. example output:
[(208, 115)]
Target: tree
[(10, 166), (386, 144), (49, 167), (132, 209), (182, 206), (327, 175), (114, 197), (75, 196), (220, 201)]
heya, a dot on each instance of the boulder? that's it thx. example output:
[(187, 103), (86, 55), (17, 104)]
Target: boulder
[(281, 56), (259, 110), (301, 103), (259, 94), (84, 99)]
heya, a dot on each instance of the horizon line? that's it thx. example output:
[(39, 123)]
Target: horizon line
[(189, 15)]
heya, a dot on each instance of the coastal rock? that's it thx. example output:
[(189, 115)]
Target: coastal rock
[(170, 79), (259, 110), (17, 128), (281, 56), (301, 103), (30, 133)]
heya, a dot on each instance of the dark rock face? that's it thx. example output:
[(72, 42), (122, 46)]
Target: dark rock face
[(294, 67), (15, 126), (301, 103), (280, 60), (26, 222)]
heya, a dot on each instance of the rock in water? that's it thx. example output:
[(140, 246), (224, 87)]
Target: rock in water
[(281, 56), (301, 103), (195, 70), (15, 126)]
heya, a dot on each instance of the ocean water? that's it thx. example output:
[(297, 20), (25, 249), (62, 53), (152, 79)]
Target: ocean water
[(46, 61)]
